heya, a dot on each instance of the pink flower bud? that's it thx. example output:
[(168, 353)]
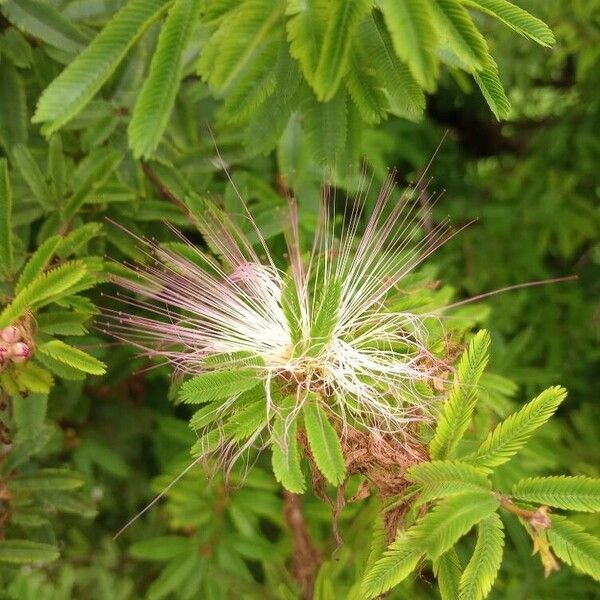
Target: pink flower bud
[(20, 352), (10, 334), (4, 352)]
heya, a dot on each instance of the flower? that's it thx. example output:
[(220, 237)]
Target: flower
[(10, 334), (322, 324), (20, 352)]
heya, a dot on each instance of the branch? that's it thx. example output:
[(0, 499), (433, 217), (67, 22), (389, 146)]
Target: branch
[(306, 558)]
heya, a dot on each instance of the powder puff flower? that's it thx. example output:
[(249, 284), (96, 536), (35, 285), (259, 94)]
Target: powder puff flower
[(264, 344)]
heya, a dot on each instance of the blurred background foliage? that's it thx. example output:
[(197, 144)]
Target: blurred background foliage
[(79, 461)]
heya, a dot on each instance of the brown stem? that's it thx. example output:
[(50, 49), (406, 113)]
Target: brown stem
[(160, 187), (516, 510), (306, 559)]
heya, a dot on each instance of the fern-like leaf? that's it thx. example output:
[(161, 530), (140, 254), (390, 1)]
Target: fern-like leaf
[(447, 569), (481, 570), (6, 241), (516, 18), (439, 479), (82, 79), (325, 318), (42, 290), (343, 20), (254, 86), (410, 25), (405, 96), (39, 260), (323, 441), (572, 544), (231, 49), (216, 385), (459, 407), (514, 432), (155, 102), (571, 493), (286, 458), (457, 30), (306, 27), (78, 359), (488, 80), (397, 563), (46, 23), (32, 174), (14, 114), (441, 528), (366, 90), (326, 127)]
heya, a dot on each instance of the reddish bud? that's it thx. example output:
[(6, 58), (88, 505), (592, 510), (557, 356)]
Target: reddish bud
[(20, 352), (4, 352), (10, 334)]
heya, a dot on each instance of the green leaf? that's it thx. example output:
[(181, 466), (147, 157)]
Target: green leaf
[(306, 28), (366, 90), (457, 30), (482, 569), (39, 260), (572, 544), (514, 432), (325, 316), (16, 48), (216, 385), (231, 49), (516, 18), (6, 236), (78, 359), (446, 478), (21, 552), (488, 80), (42, 290), (290, 304), (82, 79), (13, 107), (441, 528), (286, 458), (57, 167), (32, 175), (414, 38), (405, 96), (448, 570), (323, 441), (271, 117), (34, 378), (44, 22), (326, 126), (161, 548), (155, 102), (571, 493), (91, 173), (248, 421), (46, 479), (343, 19), (74, 241), (61, 369), (458, 408), (173, 576), (254, 86), (397, 563)]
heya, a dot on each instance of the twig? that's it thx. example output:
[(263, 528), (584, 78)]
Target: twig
[(306, 559)]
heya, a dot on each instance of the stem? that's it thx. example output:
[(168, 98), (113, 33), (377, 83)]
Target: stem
[(506, 504), (306, 558), (160, 187)]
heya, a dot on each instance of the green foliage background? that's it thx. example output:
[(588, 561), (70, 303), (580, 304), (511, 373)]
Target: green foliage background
[(291, 93)]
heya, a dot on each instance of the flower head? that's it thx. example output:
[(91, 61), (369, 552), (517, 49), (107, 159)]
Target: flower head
[(321, 325)]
